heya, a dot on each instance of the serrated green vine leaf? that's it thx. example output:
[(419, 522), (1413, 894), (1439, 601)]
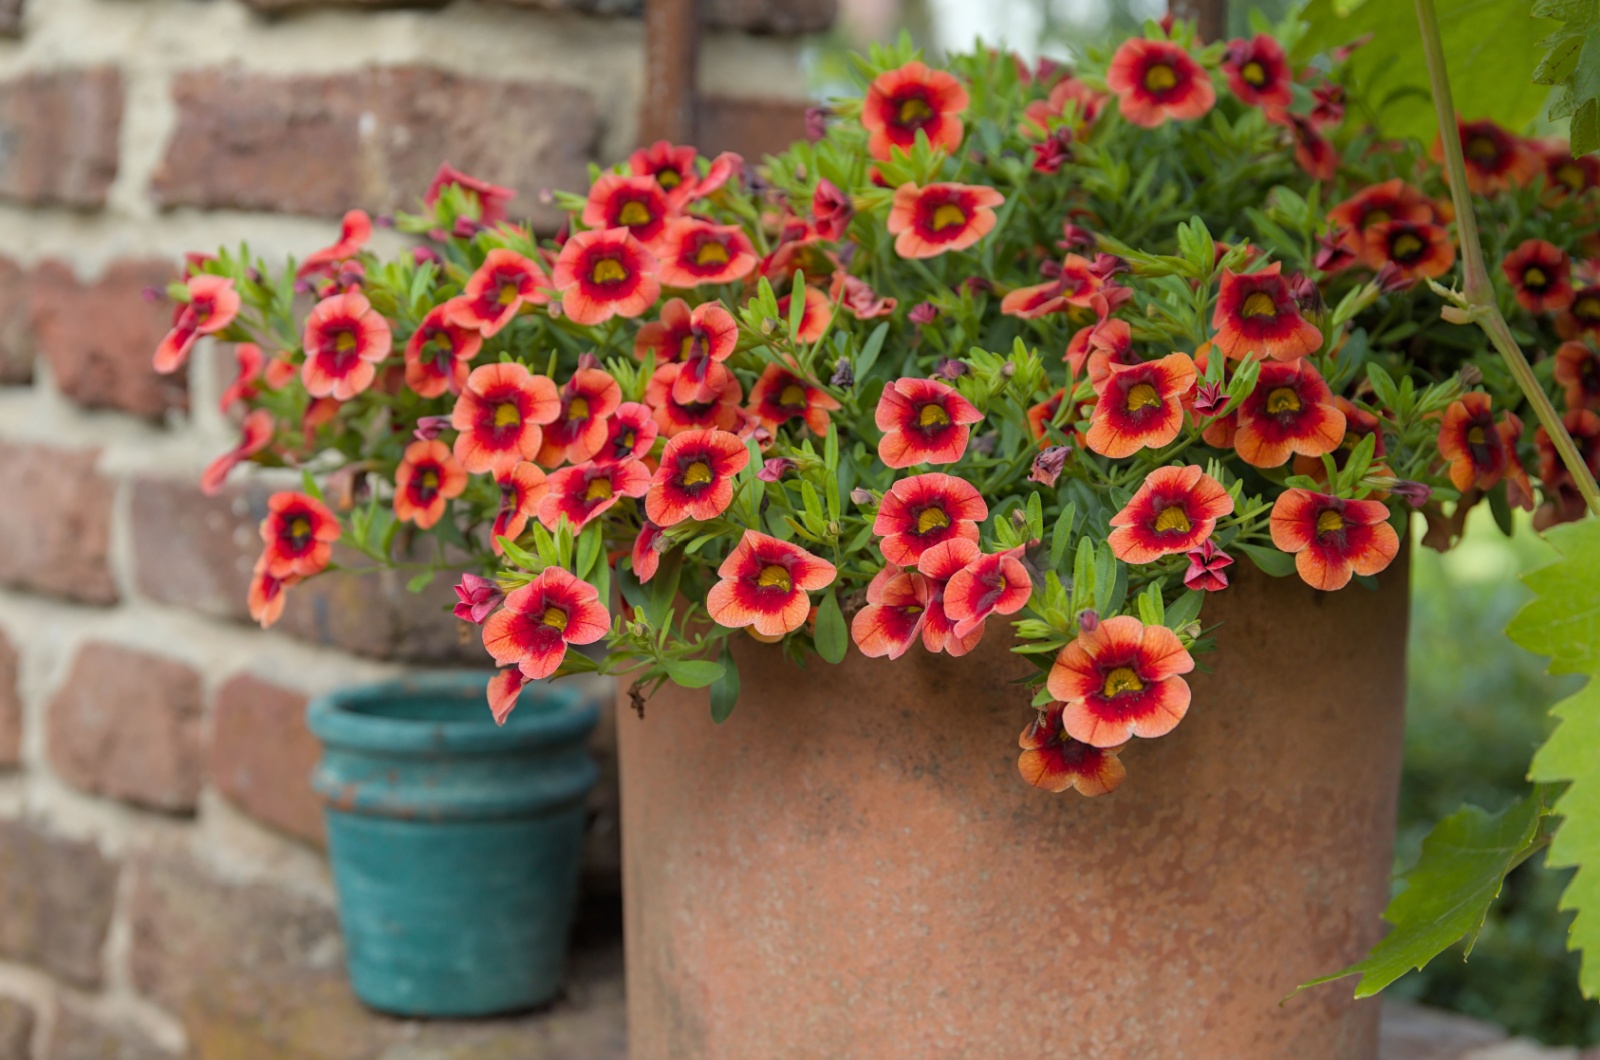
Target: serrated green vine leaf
[(1563, 620), (1572, 60)]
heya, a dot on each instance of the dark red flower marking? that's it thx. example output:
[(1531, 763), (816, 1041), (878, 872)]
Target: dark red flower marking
[(344, 340), (354, 231), (1257, 315), (520, 494), (780, 395), (1258, 71), (1075, 285), (923, 510), (1121, 680), (497, 291), (638, 204), (929, 221), (924, 421), (1174, 511), (504, 688), (670, 166), (673, 416), (255, 435), (1054, 761), (1140, 405), (695, 479), (1206, 568), (1540, 274), (1331, 537), (1416, 251), (1577, 369), (427, 478), (831, 210), (212, 306), (897, 607), (587, 491), (1156, 80), (1472, 443), (1291, 410), (992, 584), (579, 430), (439, 354), (938, 564), (764, 582), (1393, 200), (267, 594), (299, 532), (540, 619), (694, 252), (605, 273), (1583, 316), (499, 414), (709, 340), (1358, 423), (903, 102), (630, 432)]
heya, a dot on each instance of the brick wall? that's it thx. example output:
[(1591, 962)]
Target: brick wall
[(163, 891)]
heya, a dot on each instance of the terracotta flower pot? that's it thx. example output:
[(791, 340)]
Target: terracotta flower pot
[(850, 866)]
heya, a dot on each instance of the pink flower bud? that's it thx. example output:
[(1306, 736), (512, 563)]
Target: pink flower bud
[(430, 427), (923, 314), (1416, 494), (1047, 466), (1088, 620), (774, 468), (478, 597), (1209, 398), (1206, 564)]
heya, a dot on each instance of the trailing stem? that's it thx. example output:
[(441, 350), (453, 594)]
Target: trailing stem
[(1477, 302)]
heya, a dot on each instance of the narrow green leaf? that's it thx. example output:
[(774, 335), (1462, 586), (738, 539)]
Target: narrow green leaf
[(869, 352), (725, 689), (521, 557), (832, 638), (1061, 536), (420, 582), (589, 543), (1270, 560)]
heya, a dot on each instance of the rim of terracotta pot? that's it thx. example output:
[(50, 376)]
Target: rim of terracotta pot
[(427, 713)]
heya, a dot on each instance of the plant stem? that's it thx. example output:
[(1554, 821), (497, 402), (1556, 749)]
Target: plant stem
[(1479, 292)]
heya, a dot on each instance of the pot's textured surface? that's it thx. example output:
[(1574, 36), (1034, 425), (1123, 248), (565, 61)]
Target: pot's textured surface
[(850, 866)]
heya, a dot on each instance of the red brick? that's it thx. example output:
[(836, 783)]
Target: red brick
[(55, 524), (16, 1029), (10, 706), (195, 551), (16, 333), (262, 755), (126, 724), (10, 26), (99, 337), (752, 127), (770, 16), (60, 130), (320, 145), (80, 1034), (57, 895)]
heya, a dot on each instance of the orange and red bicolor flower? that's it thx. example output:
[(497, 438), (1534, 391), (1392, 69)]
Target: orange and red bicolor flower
[(1120, 680), (1039, 116), (994, 583), (670, 166), (497, 291), (1331, 537), (491, 198), (1495, 158), (856, 298), (1562, 500), (499, 414), (1076, 285), (212, 306), (924, 421), (695, 478), (539, 620), (579, 429), (1096, 348), (638, 204), (911, 99), (1175, 510), (674, 336), (587, 491), (520, 494), (694, 252), (1393, 200), (1140, 405), (711, 338), (815, 315), (923, 510), (1416, 250), (938, 564), (427, 478), (255, 435), (251, 362), (439, 354), (1054, 761), (897, 608), (1472, 443), (1583, 316), (1156, 80), (1291, 410), (266, 595), (647, 551), (1358, 423), (1540, 274), (1577, 369), (764, 582), (673, 416), (299, 532), (605, 273), (503, 690), (354, 231), (780, 395), (931, 220), (1258, 71), (344, 340), (831, 210), (630, 432), (1043, 414), (1565, 175), (1257, 314)]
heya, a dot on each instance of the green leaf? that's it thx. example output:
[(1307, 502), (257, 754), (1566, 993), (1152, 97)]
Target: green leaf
[(1061, 536), (420, 582), (589, 545), (1573, 62), (832, 638), (869, 352), (1491, 48), (725, 689), (693, 673), (1563, 621), (663, 588), (309, 487), (1464, 861), (521, 557), (1270, 560)]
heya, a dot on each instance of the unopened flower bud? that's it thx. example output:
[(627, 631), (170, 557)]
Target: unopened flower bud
[(773, 469), (843, 376), (949, 369), (1008, 370), (861, 497), (1019, 518), (1470, 375), (923, 314), (430, 427), (1047, 466), (1416, 494), (1088, 620)]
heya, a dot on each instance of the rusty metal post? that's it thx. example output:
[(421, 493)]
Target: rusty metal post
[(1210, 16), (671, 57)]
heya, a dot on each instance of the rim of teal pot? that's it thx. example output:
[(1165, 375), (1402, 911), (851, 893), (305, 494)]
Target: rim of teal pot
[(546, 716)]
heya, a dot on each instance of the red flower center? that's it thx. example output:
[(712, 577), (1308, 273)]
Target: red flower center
[(931, 519), (634, 213), (1253, 73), (913, 111), (599, 490), (931, 416), (947, 215), (1259, 304), (697, 474), (1142, 395), (608, 271), (1173, 519), (1329, 522), (1160, 77), (1282, 400), (506, 414), (711, 252), (554, 617), (773, 576), (1121, 680), (578, 409)]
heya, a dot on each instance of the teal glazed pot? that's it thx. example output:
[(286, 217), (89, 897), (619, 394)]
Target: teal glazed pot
[(454, 842)]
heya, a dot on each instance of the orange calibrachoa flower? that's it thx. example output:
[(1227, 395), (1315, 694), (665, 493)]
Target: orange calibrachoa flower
[(504, 688), (1120, 680), (499, 414), (673, 416), (255, 435), (695, 479), (1540, 275), (1039, 115), (588, 490), (712, 337), (1156, 80), (694, 252), (539, 620), (439, 354), (995, 583), (267, 594), (638, 204), (1043, 414), (764, 582), (520, 494), (1577, 369), (1393, 200), (897, 608), (1096, 348), (299, 532), (780, 395), (354, 231), (1258, 71), (427, 478), (938, 565), (1473, 444), (630, 432), (1416, 250), (670, 166), (1257, 314), (1495, 158), (1565, 175), (924, 510), (605, 273), (344, 339), (672, 337), (1140, 405), (903, 102), (815, 315), (497, 291), (1174, 511), (491, 199), (579, 430), (212, 306), (1054, 761), (1331, 537), (1563, 503), (931, 220), (1358, 423), (246, 384), (1291, 410), (1075, 286), (646, 554), (1582, 317), (924, 421)]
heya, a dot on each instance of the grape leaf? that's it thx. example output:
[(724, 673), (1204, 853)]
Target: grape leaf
[(1573, 62), (1563, 621)]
